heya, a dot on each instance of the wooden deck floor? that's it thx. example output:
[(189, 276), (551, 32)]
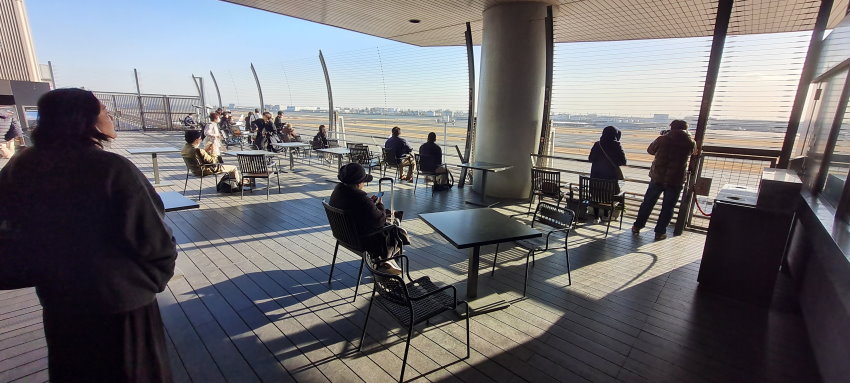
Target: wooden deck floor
[(249, 302)]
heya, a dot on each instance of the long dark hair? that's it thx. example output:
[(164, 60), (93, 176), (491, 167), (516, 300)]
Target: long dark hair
[(67, 118)]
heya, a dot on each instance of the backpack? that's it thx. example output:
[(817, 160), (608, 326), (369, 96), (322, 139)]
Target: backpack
[(227, 184), (449, 182)]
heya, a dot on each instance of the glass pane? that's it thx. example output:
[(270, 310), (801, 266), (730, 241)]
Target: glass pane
[(839, 165), (821, 124)]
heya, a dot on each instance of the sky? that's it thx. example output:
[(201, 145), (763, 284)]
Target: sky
[(96, 45)]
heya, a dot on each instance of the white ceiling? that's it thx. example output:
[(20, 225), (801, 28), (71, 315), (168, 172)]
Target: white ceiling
[(444, 21)]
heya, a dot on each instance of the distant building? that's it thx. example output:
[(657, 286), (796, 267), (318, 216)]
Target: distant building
[(660, 117), (17, 53)]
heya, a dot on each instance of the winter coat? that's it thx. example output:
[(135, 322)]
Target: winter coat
[(671, 152)]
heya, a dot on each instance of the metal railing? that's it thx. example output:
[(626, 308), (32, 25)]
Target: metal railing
[(719, 166), (158, 111)]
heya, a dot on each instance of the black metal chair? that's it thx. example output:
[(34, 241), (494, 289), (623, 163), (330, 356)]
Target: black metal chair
[(601, 194), (360, 154), (389, 159), (410, 303), (192, 161), (424, 173), (253, 166), (347, 234), (545, 183), (560, 219)]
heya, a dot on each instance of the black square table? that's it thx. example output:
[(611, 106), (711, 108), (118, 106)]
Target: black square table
[(174, 201), (471, 229), (484, 167)]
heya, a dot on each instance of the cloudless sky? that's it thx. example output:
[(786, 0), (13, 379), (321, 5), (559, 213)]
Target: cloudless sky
[(96, 45)]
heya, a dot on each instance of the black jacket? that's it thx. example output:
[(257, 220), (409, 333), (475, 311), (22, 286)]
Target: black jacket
[(91, 226), (430, 156), (369, 216), (398, 145), (601, 167)]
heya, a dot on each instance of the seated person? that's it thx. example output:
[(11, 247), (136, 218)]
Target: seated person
[(193, 151), (288, 133), (368, 213), (402, 151), (431, 159), (320, 141)]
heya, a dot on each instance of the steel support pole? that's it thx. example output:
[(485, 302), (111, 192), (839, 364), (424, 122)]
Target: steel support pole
[(217, 91), (470, 122), (259, 89), (139, 95), (806, 76), (721, 28), (52, 76), (331, 119), (547, 95)]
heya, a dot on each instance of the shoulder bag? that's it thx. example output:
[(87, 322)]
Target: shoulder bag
[(616, 168)]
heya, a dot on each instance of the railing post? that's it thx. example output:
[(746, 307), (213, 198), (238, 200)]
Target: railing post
[(470, 122), (331, 119), (217, 92), (259, 89), (547, 93), (169, 121), (806, 76), (721, 27), (117, 112), (139, 95)]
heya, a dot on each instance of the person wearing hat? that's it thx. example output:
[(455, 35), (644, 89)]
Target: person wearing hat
[(368, 212)]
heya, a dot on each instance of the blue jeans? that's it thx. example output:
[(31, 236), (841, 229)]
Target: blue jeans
[(671, 195)]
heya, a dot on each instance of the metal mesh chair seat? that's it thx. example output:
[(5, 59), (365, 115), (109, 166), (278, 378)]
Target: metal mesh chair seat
[(409, 303), (533, 243), (560, 221), (423, 309), (601, 194)]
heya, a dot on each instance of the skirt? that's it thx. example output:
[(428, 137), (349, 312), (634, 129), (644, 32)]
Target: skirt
[(96, 347)]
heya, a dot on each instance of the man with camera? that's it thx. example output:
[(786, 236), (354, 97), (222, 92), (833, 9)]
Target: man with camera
[(667, 175)]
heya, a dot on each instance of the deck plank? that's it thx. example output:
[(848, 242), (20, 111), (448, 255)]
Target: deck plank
[(250, 302)]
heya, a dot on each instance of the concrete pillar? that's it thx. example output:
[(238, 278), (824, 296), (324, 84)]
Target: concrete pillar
[(510, 100)]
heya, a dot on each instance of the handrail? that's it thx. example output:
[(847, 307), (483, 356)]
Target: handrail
[(744, 152), (583, 160)]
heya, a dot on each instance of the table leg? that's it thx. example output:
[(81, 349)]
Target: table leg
[(484, 186), (156, 181), (482, 299), (291, 160), (155, 169), (472, 273), (339, 160)]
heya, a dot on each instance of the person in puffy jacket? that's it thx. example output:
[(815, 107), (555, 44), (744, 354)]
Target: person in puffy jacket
[(669, 168)]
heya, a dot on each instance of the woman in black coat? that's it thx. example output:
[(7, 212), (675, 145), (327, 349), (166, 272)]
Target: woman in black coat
[(86, 228), (606, 157)]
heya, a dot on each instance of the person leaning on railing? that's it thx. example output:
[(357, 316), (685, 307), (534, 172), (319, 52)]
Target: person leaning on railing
[(606, 157), (87, 230), (667, 175)]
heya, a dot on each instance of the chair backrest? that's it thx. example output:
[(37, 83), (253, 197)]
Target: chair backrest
[(252, 163), (360, 155), (343, 227), (389, 157), (546, 182), (597, 190), (352, 145), (418, 158), (553, 216), (390, 290)]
